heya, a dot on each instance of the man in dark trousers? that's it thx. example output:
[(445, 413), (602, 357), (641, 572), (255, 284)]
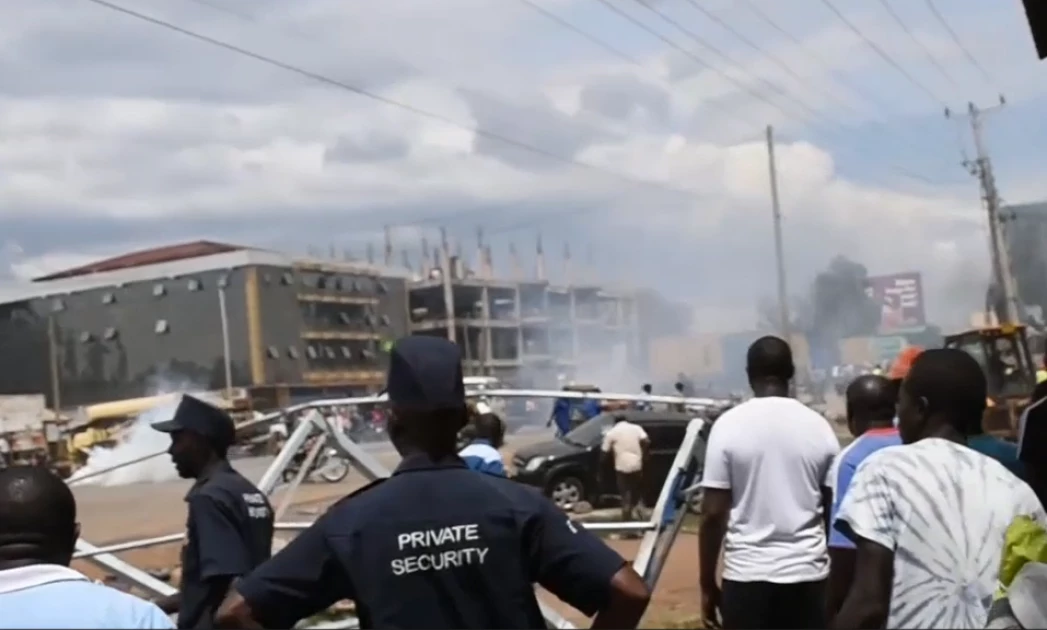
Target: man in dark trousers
[(229, 529), (437, 545)]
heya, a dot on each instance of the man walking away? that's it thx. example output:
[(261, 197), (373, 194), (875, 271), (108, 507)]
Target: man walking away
[(870, 418), (481, 454), (38, 533), (627, 444), (766, 502), (928, 518), (230, 522)]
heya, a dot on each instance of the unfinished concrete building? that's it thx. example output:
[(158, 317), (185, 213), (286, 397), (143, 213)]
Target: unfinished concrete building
[(530, 332)]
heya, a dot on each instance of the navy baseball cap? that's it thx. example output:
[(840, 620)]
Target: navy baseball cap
[(425, 373), (198, 417)]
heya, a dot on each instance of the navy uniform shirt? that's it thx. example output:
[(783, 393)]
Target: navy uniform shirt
[(435, 546), (229, 531)]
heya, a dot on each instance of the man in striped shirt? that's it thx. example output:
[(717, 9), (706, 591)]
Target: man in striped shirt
[(870, 418)]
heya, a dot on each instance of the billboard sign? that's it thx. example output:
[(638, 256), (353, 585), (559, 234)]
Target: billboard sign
[(899, 297)]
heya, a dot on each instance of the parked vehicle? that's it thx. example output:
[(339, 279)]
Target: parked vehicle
[(570, 468)]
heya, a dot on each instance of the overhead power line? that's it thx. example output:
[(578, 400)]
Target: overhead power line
[(479, 131), (926, 51), (596, 41), (883, 55), (862, 94), (959, 44), (812, 113)]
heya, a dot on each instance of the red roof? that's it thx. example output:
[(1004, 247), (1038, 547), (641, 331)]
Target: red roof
[(154, 256)]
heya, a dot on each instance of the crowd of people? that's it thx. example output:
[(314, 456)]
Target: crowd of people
[(917, 508), (905, 527)]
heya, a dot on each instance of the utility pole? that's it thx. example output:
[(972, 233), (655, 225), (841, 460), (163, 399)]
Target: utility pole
[(52, 347), (981, 167), (779, 254)]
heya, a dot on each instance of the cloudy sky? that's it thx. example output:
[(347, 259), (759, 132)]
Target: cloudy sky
[(635, 133)]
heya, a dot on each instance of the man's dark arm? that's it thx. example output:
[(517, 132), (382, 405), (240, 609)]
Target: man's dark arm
[(716, 507), (868, 602), (841, 576), (170, 604), (302, 579), (581, 570), (827, 511)]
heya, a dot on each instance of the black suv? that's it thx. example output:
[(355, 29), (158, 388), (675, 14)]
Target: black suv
[(566, 468)]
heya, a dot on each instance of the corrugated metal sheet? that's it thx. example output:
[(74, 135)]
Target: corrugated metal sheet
[(153, 256)]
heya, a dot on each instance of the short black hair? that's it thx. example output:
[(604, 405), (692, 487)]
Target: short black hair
[(646, 387), (488, 426), (873, 396), (950, 382), (770, 357), (36, 507)]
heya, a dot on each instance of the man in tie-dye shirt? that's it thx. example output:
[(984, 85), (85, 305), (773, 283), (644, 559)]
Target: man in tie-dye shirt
[(928, 517)]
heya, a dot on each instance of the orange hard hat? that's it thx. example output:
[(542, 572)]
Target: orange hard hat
[(903, 362)]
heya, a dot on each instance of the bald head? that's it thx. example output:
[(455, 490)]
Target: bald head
[(871, 402), (37, 514)]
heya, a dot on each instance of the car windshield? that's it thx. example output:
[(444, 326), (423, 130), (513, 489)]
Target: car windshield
[(590, 432)]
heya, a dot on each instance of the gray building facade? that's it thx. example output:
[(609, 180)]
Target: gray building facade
[(243, 319)]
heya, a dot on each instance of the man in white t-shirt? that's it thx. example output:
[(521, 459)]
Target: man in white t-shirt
[(766, 501), (928, 517), (627, 444)]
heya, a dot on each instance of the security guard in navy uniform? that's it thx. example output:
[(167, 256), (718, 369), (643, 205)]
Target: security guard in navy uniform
[(229, 528), (437, 545)]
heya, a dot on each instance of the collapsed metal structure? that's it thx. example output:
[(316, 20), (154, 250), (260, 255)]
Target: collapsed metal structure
[(659, 531)]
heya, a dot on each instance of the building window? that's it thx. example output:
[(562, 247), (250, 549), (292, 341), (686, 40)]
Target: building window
[(310, 351), (111, 333), (161, 327), (345, 319), (57, 305), (292, 352), (159, 290), (108, 298), (347, 352), (223, 281), (86, 337), (369, 321), (381, 288), (384, 320), (367, 354), (329, 352), (364, 285), (194, 284), (287, 279)]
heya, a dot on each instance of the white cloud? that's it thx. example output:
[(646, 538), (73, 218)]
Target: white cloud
[(133, 134)]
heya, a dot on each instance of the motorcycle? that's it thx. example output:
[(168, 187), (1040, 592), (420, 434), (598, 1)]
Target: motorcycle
[(329, 465)]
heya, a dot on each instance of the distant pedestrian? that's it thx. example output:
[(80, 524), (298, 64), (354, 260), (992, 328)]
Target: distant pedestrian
[(766, 503), (482, 454), (38, 589), (626, 445), (644, 405), (928, 518), (870, 418)]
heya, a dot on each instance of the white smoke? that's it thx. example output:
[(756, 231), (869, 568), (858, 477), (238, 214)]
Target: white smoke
[(137, 441)]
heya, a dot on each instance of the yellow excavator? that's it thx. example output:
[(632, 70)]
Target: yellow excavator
[(1003, 352)]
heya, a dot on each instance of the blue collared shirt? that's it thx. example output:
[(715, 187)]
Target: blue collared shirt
[(52, 596), (481, 456)]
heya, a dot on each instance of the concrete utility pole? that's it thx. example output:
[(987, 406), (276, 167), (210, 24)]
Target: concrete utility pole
[(779, 254), (981, 167)]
